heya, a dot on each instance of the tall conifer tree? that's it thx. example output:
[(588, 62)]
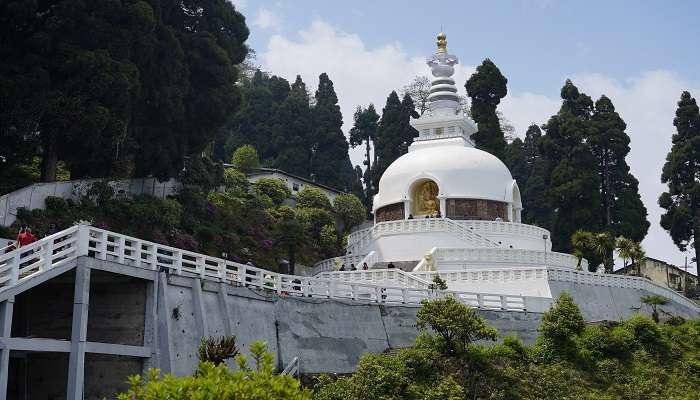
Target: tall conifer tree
[(623, 213), (365, 131), (330, 160), (681, 172), (486, 87), (571, 179), (291, 150)]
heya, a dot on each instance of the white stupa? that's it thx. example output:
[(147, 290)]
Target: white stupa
[(450, 210)]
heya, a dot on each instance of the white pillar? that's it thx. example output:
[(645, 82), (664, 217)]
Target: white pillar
[(6, 309), (76, 361), (443, 206), (511, 213), (406, 208)]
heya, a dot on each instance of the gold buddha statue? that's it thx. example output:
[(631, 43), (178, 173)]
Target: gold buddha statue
[(427, 201)]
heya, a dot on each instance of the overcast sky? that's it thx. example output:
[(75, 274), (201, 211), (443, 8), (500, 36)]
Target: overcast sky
[(642, 56)]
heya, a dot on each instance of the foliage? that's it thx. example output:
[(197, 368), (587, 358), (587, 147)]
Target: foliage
[(274, 188), (394, 134), (245, 158), (364, 131), (217, 350), (311, 197), (116, 88), (457, 324), (682, 199), (438, 283), (632, 360), (486, 87), (349, 209), (560, 327), (259, 382), (655, 301)]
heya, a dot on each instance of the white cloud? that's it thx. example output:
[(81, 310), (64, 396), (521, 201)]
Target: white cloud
[(364, 75), (360, 75), (267, 19)]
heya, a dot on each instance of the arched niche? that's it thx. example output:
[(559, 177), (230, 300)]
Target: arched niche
[(424, 198)]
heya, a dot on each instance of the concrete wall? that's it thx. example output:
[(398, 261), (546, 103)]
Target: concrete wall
[(327, 335), (598, 303), (32, 197)]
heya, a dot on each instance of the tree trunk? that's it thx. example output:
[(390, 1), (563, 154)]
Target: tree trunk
[(696, 235), (291, 252), (49, 162)]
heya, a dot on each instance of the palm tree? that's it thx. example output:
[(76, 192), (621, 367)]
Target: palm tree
[(580, 241), (625, 249), (655, 301), (637, 255), (603, 245)]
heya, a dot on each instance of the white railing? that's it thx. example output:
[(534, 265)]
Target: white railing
[(453, 258), (49, 252), (84, 240), (486, 275), (332, 264), (378, 276), (503, 227), (357, 241), (619, 281)]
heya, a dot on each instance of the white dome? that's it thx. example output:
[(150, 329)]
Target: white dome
[(459, 172)]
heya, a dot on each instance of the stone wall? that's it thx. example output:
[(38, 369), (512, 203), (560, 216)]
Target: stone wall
[(391, 212)]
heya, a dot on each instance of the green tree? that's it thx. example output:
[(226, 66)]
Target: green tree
[(570, 180), (274, 188), (365, 131), (245, 158), (682, 199), (581, 243), (457, 324), (292, 235), (311, 197), (291, 146), (259, 382), (486, 87), (622, 210), (654, 301), (603, 245), (330, 162), (349, 209), (561, 325), (394, 134)]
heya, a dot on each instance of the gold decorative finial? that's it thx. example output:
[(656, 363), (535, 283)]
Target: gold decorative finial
[(442, 42)]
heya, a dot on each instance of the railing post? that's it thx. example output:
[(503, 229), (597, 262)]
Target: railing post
[(14, 271), (137, 252), (178, 261), (83, 240), (353, 287), (121, 243), (48, 256), (404, 295), (504, 302)]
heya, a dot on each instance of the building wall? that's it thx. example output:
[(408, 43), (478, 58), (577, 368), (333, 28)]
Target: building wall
[(32, 197)]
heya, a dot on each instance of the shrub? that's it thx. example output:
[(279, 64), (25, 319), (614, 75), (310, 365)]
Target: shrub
[(274, 188), (457, 324), (349, 209), (310, 197), (561, 325), (220, 382), (217, 350), (236, 181), (245, 158)]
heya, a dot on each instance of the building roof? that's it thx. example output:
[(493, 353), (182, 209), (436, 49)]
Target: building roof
[(265, 171)]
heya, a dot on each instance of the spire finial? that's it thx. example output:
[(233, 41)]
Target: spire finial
[(442, 42)]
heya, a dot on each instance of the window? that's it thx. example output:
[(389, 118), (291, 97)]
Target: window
[(295, 187), (438, 131), (451, 129)]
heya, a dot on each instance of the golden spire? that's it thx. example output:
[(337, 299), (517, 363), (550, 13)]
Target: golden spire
[(442, 43)]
